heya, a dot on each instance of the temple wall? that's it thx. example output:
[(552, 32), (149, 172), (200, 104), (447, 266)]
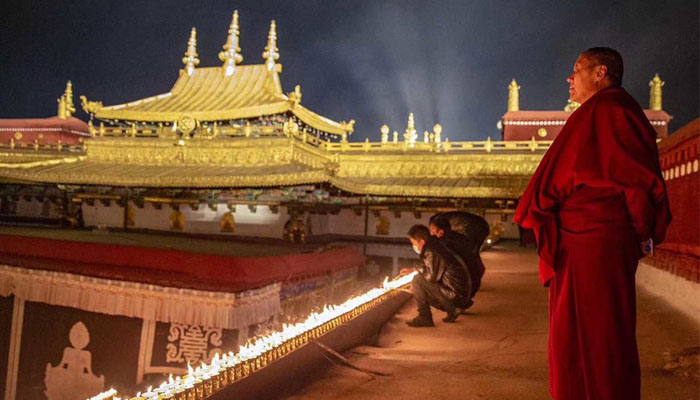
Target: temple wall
[(111, 216), (261, 223), (673, 272), (30, 208)]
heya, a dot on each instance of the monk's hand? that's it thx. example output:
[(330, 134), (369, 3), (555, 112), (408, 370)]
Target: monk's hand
[(404, 271)]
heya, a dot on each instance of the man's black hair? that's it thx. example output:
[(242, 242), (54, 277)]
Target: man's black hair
[(441, 223), (418, 232), (611, 59)]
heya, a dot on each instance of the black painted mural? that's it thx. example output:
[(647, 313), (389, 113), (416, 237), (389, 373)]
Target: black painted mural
[(68, 353)]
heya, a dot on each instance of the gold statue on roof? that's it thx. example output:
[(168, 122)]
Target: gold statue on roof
[(410, 134), (271, 53), (190, 59), (66, 108), (90, 107), (655, 100), (295, 96), (513, 96), (231, 55)]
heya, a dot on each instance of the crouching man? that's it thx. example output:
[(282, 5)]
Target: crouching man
[(442, 282)]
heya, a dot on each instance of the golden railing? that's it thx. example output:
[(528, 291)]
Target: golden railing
[(36, 146), (246, 131)]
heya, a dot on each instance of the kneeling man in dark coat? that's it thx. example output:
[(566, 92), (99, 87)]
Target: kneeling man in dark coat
[(442, 281)]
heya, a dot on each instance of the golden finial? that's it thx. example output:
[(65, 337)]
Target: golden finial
[(385, 133), (232, 52), (410, 135), (295, 96), (426, 137), (655, 93), (90, 107), (190, 60), (437, 129), (271, 53), (513, 96), (66, 108)]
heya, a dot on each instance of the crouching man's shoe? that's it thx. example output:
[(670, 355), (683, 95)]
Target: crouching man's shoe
[(420, 321), (452, 315)]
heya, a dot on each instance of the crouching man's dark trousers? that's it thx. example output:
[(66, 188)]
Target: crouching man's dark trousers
[(428, 294)]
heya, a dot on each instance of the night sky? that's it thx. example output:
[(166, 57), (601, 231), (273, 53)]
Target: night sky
[(369, 60)]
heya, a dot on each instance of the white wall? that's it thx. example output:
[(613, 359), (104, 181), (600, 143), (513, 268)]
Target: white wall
[(262, 223), (98, 213), (31, 208)]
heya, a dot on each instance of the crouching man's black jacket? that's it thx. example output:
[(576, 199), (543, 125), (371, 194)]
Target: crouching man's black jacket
[(443, 267)]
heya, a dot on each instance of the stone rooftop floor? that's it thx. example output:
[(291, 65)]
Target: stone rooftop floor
[(498, 350)]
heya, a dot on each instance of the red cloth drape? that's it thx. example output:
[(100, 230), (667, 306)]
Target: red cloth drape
[(606, 142), (597, 193), (171, 267)]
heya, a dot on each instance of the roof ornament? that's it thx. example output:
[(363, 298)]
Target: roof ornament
[(513, 96), (271, 53), (190, 60), (90, 107), (66, 108), (655, 102), (385, 133), (348, 126), (437, 130), (410, 135), (295, 96), (232, 52)]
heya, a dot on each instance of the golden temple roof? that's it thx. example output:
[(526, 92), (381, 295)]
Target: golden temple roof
[(227, 92), (270, 162)]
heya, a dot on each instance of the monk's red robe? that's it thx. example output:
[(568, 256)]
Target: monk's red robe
[(597, 193)]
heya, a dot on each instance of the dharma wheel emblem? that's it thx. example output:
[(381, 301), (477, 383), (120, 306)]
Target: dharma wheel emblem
[(186, 124)]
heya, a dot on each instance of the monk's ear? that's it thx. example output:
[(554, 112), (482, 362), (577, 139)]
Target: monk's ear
[(601, 72)]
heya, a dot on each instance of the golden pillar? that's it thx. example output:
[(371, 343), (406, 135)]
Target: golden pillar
[(655, 100), (513, 96)]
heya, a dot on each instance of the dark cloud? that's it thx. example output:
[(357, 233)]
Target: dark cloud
[(373, 60)]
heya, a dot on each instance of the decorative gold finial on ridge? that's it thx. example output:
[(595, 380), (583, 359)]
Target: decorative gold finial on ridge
[(66, 108), (437, 129), (295, 96), (385, 133), (232, 52), (513, 96), (271, 53), (655, 100), (190, 60), (410, 135)]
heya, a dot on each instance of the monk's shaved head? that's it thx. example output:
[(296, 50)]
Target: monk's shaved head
[(610, 58)]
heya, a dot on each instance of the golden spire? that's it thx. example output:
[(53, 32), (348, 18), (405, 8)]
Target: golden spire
[(190, 60), (232, 52), (513, 96), (66, 108), (437, 129), (385, 133), (655, 93), (271, 53), (410, 135)]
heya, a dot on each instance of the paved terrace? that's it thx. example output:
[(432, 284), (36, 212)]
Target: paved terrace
[(498, 350)]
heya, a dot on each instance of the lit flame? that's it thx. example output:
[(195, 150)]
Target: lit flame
[(254, 349)]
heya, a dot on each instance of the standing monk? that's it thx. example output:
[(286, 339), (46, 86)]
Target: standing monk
[(596, 195)]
